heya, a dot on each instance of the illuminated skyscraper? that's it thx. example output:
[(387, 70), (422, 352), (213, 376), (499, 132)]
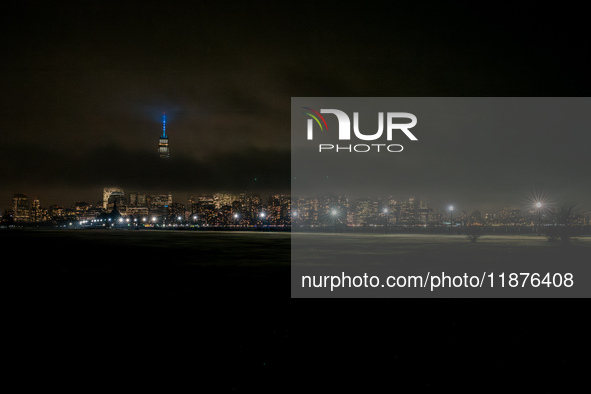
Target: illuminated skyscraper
[(159, 204), (36, 214), (163, 150), (20, 207), (110, 195)]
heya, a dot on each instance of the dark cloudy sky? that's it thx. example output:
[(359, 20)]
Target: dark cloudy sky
[(83, 86)]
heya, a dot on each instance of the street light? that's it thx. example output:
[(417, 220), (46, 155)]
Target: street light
[(386, 212), (262, 215), (334, 214), (451, 216), (539, 208)]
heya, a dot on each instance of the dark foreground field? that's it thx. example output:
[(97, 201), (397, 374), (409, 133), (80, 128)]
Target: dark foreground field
[(216, 308), (202, 302), (151, 267)]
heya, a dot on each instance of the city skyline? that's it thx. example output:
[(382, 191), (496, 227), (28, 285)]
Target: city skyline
[(247, 208)]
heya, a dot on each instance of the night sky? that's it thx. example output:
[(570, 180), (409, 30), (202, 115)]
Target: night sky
[(84, 87)]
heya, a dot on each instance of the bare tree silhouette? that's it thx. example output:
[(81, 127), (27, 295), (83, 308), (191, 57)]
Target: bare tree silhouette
[(473, 233), (564, 219)]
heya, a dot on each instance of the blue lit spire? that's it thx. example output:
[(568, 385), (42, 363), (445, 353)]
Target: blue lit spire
[(163, 141)]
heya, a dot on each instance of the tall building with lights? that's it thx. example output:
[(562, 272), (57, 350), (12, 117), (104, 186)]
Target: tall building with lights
[(21, 208), (163, 149), (111, 195), (36, 211)]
